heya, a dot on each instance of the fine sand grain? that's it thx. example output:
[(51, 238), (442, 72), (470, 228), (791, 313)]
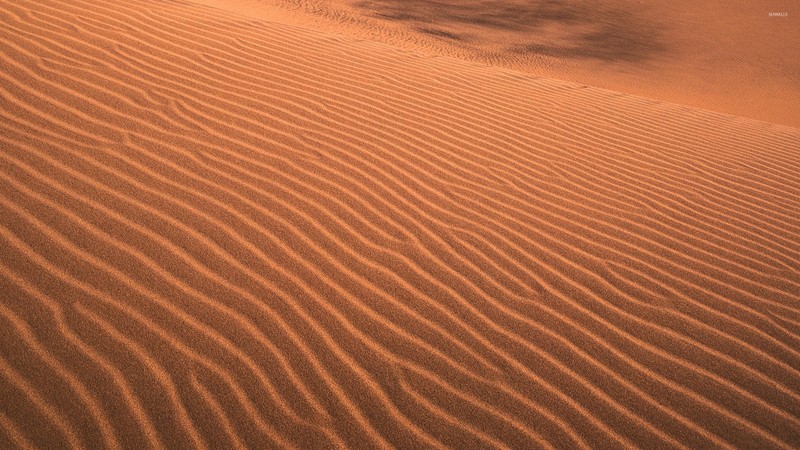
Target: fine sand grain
[(224, 224)]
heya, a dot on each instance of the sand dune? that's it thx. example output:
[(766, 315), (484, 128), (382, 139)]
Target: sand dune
[(732, 57), (223, 230)]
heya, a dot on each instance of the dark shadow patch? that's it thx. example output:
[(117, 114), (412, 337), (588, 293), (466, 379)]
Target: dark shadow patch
[(394, 16), (586, 30), (439, 33), (607, 43), (503, 15)]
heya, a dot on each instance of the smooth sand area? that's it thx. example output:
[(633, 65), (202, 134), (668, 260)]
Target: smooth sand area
[(300, 224)]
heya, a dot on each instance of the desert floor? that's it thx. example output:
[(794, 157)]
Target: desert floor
[(407, 224)]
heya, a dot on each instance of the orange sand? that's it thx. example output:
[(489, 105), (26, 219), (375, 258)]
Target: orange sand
[(232, 223)]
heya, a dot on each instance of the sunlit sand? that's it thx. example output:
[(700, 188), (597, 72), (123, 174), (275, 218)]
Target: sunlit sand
[(403, 224)]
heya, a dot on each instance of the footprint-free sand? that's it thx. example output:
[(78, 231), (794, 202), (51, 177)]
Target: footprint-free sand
[(299, 224)]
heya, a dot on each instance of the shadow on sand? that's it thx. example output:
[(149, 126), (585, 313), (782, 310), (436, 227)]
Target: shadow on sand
[(593, 31)]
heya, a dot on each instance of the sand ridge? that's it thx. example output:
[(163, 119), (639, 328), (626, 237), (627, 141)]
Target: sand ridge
[(218, 230)]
